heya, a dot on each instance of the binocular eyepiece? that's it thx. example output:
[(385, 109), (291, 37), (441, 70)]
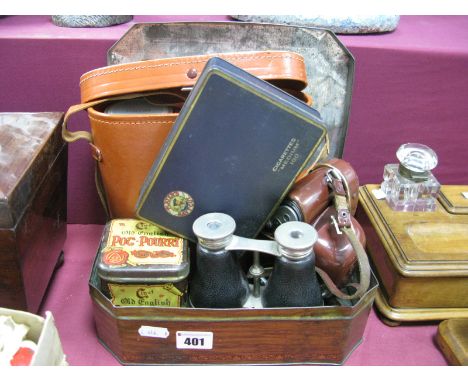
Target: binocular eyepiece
[(219, 282)]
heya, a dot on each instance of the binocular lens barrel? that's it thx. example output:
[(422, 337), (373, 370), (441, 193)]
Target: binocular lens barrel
[(219, 282)]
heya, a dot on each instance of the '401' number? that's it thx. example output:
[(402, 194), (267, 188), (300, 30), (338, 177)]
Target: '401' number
[(194, 341)]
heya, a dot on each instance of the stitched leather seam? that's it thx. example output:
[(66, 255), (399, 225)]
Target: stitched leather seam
[(131, 123), (228, 58)]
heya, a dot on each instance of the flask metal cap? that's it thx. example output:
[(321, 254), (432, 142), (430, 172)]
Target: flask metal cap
[(214, 230), (295, 239)]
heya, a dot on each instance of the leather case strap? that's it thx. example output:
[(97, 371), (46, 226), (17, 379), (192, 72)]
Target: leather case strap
[(342, 222), (144, 78), (284, 69), (72, 136), (364, 271)]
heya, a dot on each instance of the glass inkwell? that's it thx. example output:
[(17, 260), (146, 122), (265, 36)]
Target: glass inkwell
[(410, 185)]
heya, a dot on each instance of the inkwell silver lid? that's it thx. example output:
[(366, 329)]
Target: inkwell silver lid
[(416, 161)]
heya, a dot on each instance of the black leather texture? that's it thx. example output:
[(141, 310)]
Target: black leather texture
[(217, 280), (292, 284)]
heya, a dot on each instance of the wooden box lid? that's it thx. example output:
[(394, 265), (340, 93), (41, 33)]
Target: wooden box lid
[(29, 144), (453, 199), (452, 338), (423, 244)]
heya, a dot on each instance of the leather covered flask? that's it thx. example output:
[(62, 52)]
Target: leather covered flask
[(333, 250), (237, 147), (132, 107)]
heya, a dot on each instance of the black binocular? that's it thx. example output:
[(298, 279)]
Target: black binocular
[(218, 280)]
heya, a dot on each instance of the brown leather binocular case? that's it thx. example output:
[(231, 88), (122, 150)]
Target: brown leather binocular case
[(129, 143)]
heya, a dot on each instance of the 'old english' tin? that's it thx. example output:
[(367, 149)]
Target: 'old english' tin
[(141, 265)]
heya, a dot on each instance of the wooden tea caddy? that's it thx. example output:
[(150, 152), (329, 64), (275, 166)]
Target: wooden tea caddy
[(33, 210), (420, 258)]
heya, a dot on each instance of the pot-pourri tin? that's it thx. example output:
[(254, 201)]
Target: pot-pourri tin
[(139, 264)]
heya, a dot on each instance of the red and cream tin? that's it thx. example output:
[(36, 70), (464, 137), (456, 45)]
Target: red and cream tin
[(139, 264)]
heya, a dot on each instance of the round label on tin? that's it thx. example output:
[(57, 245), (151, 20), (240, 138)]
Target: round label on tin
[(115, 257), (179, 203)]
